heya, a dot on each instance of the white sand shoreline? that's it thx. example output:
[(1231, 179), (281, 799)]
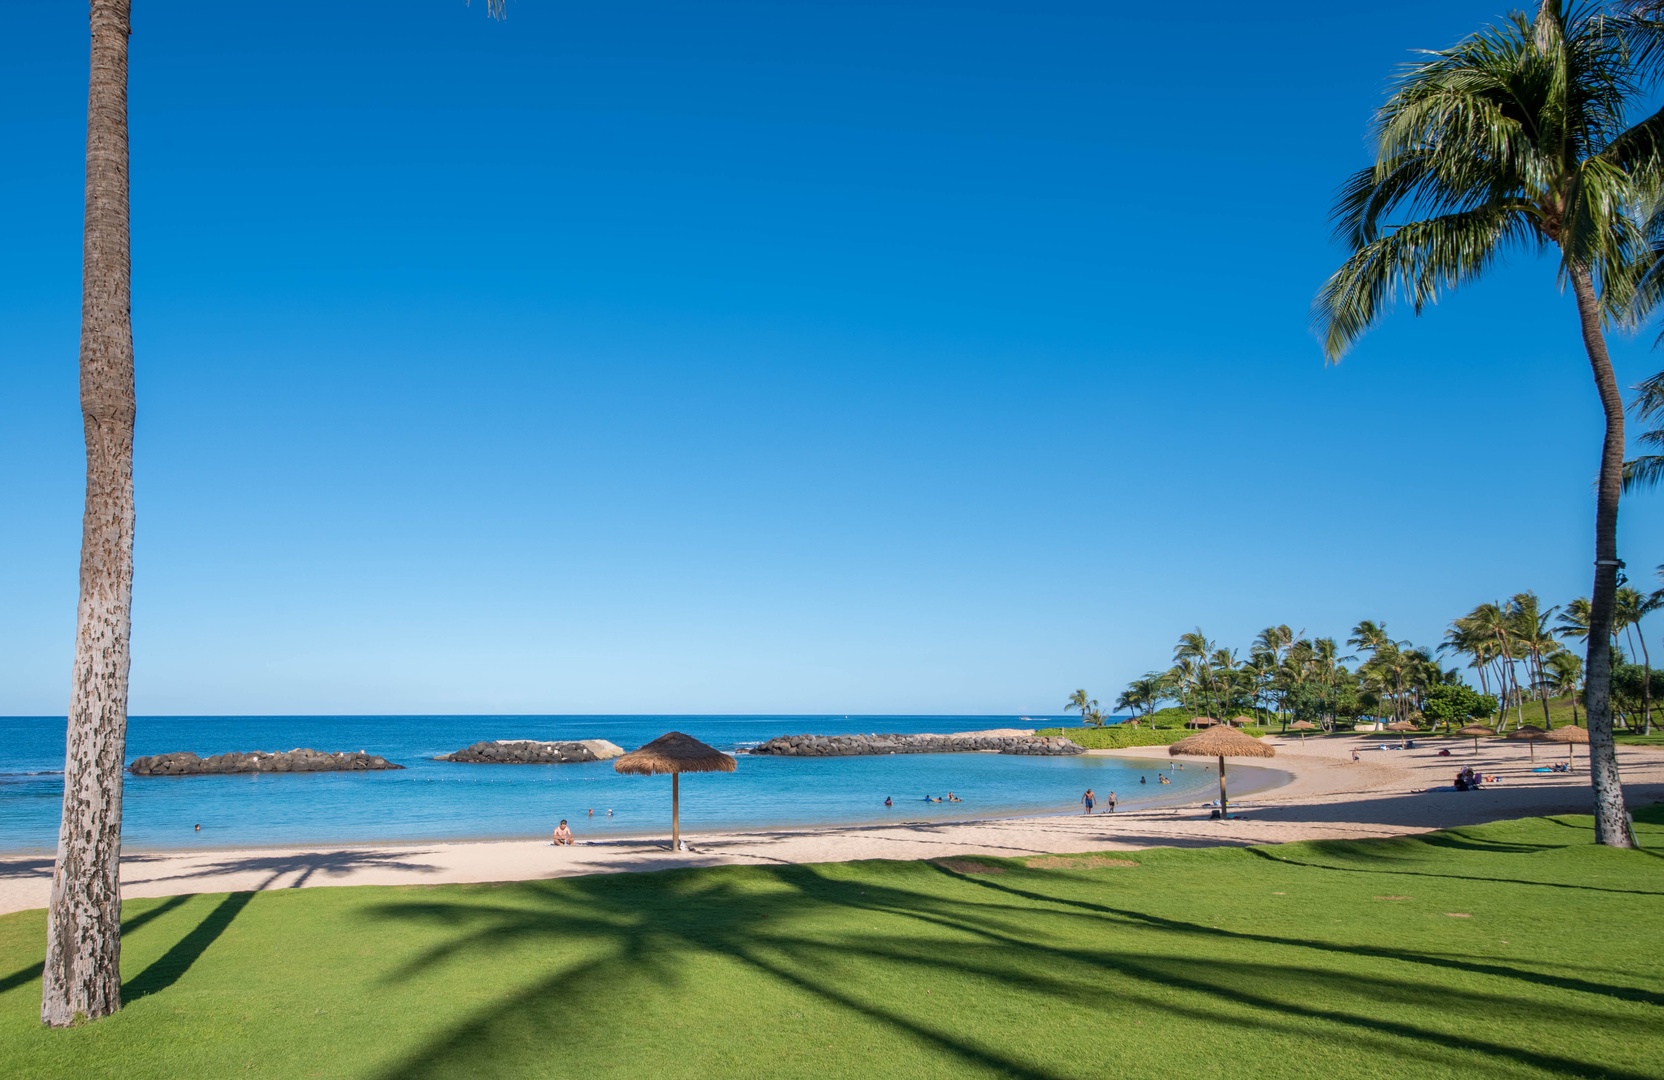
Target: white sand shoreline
[(1325, 797)]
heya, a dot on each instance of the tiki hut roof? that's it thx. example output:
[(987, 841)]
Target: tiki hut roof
[(1200, 721), (1572, 734), (1529, 732), (1401, 725), (1474, 730), (1221, 742), (1303, 725), (1242, 721), (674, 753)]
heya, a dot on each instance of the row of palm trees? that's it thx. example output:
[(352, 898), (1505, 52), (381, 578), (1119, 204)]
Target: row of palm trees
[(1502, 641), (1291, 676), (1517, 648)]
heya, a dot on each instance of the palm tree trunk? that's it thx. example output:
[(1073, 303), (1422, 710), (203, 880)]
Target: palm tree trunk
[(1611, 817), (82, 976)]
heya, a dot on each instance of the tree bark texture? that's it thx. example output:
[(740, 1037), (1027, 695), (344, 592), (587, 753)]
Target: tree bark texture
[(82, 976), (1611, 817)]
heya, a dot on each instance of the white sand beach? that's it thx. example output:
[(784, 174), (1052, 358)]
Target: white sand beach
[(1387, 793)]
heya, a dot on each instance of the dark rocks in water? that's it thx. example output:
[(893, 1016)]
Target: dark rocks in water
[(532, 752), (186, 763), (855, 745)]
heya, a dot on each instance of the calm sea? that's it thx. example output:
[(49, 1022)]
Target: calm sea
[(431, 800)]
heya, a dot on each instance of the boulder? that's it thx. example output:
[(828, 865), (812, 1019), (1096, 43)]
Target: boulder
[(186, 763), (859, 745), (532, 752)]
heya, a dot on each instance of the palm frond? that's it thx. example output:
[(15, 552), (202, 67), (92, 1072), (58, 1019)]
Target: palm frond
[(1421, 260)]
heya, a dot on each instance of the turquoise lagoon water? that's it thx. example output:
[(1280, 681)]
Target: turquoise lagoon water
[(432, 800)]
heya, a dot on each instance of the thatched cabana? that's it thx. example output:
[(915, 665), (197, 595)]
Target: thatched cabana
[(1221, 742), (1573, 737), (1529, 733), (1476, 731), (674, 753)]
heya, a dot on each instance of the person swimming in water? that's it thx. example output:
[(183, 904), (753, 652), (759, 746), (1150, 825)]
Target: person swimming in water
[(889, 801)]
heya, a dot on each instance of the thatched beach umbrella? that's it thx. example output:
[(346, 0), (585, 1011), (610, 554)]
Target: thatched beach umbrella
[(1476, 730), (1530, 733), (1200, 722), (1303, 726), (1573, 737), (1401, 726), (1242, 721), (1221, 742), (674, 753)]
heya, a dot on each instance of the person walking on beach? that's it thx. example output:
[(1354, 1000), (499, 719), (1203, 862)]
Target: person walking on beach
[(1112, 802), (1089, 800)]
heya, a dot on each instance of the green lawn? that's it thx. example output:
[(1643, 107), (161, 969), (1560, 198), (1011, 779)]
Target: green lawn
[(1515, 949)]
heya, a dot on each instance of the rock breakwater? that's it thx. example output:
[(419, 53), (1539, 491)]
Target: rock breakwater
[(532, 752), (856, 745), (186, 763)]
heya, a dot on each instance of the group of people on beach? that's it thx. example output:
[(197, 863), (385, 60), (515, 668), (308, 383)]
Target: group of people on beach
[(950, 797), (1090, 800)]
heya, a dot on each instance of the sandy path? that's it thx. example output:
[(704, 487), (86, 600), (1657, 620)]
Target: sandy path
[(1329, 797)]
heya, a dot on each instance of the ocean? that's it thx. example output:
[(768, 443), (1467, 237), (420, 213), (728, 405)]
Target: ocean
[(435, 800)]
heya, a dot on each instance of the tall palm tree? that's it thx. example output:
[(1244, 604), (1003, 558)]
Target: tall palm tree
[(1082, 701), (1564, 674), (1517, 138), (1632, 606), (81, 978), (1529, 628)]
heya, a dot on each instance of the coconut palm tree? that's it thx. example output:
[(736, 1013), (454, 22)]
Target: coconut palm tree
[(1564, 675), (81, 978), (1528, 625), (1142, 694), (1517, 138), (1633, 606)]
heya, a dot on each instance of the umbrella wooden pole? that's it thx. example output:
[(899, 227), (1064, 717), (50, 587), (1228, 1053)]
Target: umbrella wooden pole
[(675, 811), (1222, 804)]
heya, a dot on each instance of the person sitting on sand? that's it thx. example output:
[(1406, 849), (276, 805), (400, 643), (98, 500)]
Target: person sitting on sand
[(563, 834)]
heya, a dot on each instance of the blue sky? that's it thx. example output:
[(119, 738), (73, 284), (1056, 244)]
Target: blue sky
[(707, 357)]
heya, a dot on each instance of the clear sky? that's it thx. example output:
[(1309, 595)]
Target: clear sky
[(706, 357)]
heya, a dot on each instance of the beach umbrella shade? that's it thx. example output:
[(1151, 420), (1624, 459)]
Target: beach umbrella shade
[(1242, 721), (1401, 726), (674, 753), (1200, 722), (1476, 730), (1221, 742), (1573, 737), (1303, 726), (1530, 733)]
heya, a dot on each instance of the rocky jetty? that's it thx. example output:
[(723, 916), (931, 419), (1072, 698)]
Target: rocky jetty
[(277, 761), (531, 752), (853, 745)]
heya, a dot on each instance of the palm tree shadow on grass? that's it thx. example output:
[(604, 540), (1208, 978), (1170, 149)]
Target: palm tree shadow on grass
[(168, 968), (645, 932), (29, 974)]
